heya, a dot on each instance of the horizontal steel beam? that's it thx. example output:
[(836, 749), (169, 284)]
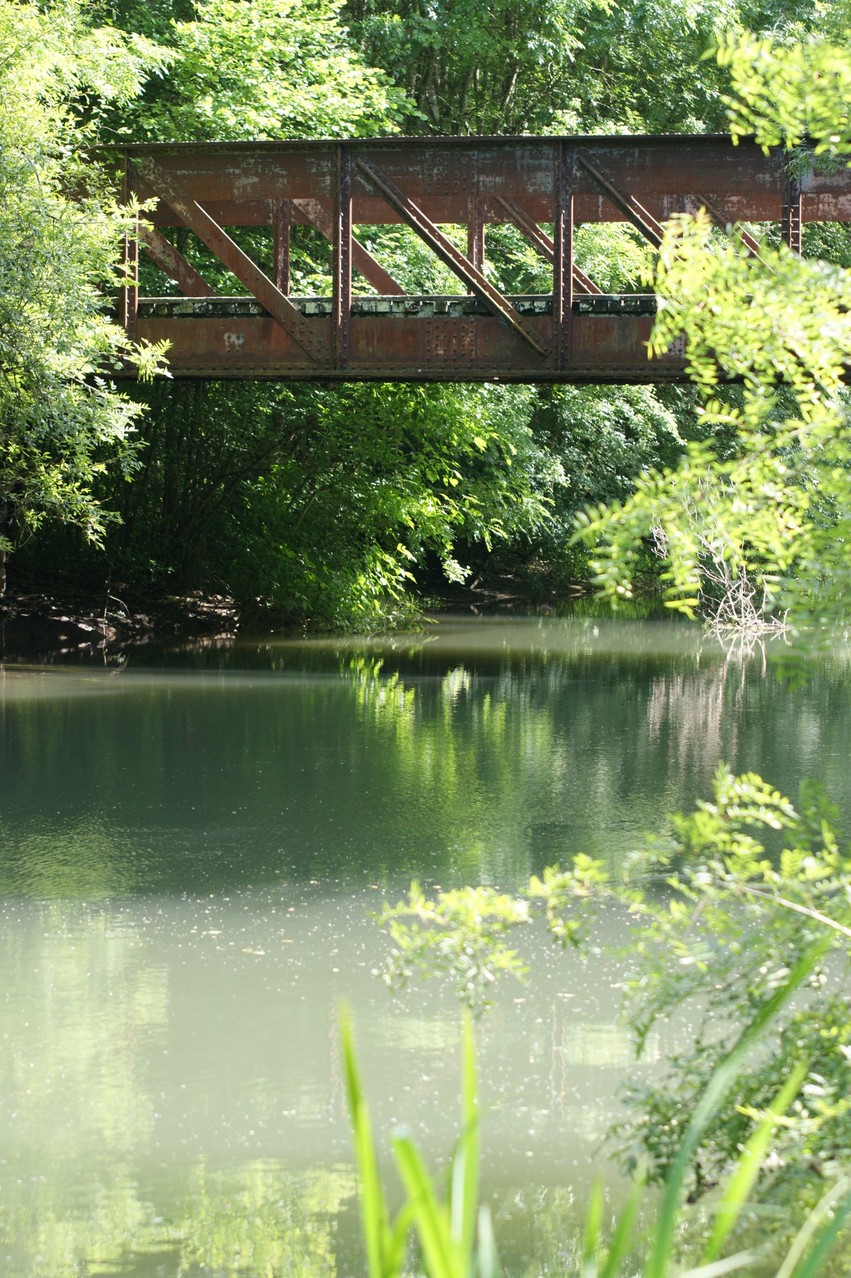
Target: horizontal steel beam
[(238, 183), (450, 348)]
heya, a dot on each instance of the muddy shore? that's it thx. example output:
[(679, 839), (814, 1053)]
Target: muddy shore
[(47, 627)]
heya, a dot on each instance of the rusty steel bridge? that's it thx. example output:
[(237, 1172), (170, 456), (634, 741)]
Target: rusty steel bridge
[(367, 326)]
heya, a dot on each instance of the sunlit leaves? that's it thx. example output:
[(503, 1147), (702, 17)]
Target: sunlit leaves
[(368, 485), (268, 69), (60, 421), (787, 94), (753, 319), (461, 934), (472, 68), (447, 1231), (762, 520), (756, 883)]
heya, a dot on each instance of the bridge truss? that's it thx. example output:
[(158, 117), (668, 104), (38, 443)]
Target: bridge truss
[(225, 216)]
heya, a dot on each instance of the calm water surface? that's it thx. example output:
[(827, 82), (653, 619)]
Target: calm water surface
[(190, 850)]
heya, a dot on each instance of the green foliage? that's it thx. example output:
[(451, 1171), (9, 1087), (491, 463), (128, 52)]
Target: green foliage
[(574, 66), (461, 934), (715, 523), (446, 1233), (620, 88), (766, 328), (325, 504), (604, 439), (735, 918), (789, 93), (270, 520), (475, 69), (264, 516), (268, 69), (739, 916), (768, 516), (61, 422)]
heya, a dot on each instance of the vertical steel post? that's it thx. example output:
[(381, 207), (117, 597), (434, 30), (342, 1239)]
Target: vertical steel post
[(342, 258), (281, 251), (476, 232), (129, 298), (565, 184), (792, 215)]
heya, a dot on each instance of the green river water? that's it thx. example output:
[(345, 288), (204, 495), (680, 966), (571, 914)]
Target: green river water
[(191, 847)]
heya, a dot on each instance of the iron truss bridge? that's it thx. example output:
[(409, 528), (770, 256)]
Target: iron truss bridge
[(213, 274)]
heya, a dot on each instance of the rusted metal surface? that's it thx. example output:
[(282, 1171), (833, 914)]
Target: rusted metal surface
[(564, 197), (466, 270), (792, 216), (282, 221), (263, 193), (720, 218), (631, 208), (173, 264), (229, 253), (539, 239), (128, 298)]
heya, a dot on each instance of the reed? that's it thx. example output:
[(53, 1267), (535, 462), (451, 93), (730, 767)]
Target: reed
[(454, 1237)]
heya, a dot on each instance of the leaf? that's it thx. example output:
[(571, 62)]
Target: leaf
[(740, 1183), (442, 1255), (593, 1225), (623, 1232), (465, 1162), (719, 1083), (374, 1213), (820, 1228)]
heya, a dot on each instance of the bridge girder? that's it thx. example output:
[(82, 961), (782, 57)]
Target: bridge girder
[(241, 201)]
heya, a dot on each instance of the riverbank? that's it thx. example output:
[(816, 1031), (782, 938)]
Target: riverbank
[(41, 626), (49, 625)]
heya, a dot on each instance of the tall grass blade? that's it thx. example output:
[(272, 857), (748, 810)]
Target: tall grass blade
[(441, 1254), (464, 1191), (749, 1162), (729, 1265), (660, 1257), (622, 1236), (593, 1228), (488, 1259), (812, 1263), (801, 1263), (374, 1214)]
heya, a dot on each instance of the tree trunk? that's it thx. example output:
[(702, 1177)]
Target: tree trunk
[(5, 539)]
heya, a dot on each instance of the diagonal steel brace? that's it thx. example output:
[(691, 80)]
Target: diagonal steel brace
[(539, 239), (632, 210), (453, 257), (231, 255), (164, 255), (362, 259), (750, 242)]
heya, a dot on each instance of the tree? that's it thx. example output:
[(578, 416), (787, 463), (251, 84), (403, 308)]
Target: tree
[(268, 69), (776, 510), (323, 505), (60, 419), (476, 69), (284, 68), (596, 66)]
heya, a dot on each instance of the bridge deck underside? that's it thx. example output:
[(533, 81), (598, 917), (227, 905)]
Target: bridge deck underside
[(224, 230)]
